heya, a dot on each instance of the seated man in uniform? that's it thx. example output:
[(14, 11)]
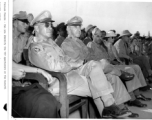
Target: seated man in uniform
[(76, 51), (82, 79), (29, 101)]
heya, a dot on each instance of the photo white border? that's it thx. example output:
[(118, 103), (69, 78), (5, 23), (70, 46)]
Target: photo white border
[(8, 89)]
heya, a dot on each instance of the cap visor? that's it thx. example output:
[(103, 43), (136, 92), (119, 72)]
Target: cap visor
[(47, 20)]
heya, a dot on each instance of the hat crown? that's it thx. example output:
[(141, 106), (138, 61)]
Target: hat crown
[(110, 34), (42, 16), (21, 15), (76, 20), (88, 28), (126, 32)]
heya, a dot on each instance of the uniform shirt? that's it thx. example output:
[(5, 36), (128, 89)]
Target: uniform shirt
[(112, 52), (76, 51), (59, 40), (122, 48), (49, 56), (100, 54), (99, 51)]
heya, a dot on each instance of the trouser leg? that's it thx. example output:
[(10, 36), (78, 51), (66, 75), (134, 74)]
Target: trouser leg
[(97, 80), (143, 65), (135, 82), (120, 94), (139, 74)]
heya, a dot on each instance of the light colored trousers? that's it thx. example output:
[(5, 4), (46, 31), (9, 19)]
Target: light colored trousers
[(120, 94), (143, 62), (137, 82), (89, 80)]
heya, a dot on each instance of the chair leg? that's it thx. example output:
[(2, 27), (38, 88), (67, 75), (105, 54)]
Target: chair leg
[(84, 109), (92, 109)]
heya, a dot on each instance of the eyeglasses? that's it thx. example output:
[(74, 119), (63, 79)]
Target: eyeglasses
[(111, 37), (24, 21)]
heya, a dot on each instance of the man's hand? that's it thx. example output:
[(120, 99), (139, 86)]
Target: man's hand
[(18, 74), (46, 75)]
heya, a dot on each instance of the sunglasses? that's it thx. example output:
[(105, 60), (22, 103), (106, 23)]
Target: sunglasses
[(111, 37), (24, 21)]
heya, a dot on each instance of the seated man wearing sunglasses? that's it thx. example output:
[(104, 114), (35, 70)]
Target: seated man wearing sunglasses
[(28, 100)]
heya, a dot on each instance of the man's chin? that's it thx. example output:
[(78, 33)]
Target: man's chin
[(77, 36)]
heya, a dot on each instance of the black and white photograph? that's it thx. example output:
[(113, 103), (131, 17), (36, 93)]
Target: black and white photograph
[(76, 59)]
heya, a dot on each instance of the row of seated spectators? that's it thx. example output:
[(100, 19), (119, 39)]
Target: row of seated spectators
[(94, 55)]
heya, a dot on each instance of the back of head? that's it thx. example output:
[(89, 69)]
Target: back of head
[(61, 29), (61, 26)]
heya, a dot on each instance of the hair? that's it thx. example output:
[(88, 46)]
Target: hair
[(55, 34), (61, 26), (82, 33), (103, 31)]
